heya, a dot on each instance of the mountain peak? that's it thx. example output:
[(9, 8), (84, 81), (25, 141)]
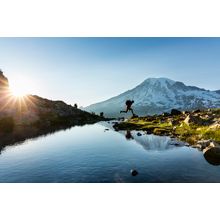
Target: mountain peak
[(161, 80), (158, 95)]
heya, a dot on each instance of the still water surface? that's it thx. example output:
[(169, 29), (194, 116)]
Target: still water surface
[(93, 154)]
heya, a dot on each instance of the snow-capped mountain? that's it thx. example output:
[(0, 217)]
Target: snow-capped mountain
[(158, 95)]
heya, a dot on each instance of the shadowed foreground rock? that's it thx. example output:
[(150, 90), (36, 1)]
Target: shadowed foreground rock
[(212, 155)]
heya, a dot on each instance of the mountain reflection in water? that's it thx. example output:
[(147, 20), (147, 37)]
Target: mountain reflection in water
[(97, 153)]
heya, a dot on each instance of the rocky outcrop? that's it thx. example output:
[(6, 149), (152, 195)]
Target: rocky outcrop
[(39, 112), (204, 144), (4, 86)]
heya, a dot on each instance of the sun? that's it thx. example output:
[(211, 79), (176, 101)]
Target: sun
[(18, 88)]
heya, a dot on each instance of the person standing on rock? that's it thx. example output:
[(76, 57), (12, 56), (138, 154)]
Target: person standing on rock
[(128, 104)]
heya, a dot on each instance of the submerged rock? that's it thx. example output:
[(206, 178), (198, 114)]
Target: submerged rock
[(134, 172)]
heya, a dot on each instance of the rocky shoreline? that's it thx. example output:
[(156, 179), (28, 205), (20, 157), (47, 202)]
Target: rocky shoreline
[(199, 129)]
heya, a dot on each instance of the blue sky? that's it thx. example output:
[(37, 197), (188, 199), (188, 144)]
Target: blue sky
[(88, 70)]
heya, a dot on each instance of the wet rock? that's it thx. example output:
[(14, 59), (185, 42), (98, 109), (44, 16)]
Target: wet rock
[(106, 129), (139, 134), (134, 172), (212, 155)]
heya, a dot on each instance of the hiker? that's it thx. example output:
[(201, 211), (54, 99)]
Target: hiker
[(128, 135), (128, 104)]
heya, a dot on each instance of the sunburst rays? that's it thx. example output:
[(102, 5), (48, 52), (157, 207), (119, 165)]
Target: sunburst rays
[(20, 103)]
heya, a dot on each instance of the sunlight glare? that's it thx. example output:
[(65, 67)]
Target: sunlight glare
[(18, 88)]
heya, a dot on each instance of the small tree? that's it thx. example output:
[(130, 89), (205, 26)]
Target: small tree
[(75, 105), (101, 114)]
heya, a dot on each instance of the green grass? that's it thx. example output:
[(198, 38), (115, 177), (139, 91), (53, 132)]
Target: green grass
[(160, 126)]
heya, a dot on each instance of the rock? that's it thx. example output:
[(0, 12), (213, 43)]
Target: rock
[(161, 132), (175, 112), (4, 86), (215, 125), (134, 172), (134, 116), (121, 119), (204, 144), (139, 134), (106, 129), (197, 120), (212, 155), (185, 112), (197, 111), (165, 114), (175, 122)]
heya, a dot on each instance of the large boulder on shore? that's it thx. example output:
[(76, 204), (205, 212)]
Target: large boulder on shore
[(212, 155)]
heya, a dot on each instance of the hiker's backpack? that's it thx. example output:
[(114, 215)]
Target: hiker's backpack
[(128, 102)]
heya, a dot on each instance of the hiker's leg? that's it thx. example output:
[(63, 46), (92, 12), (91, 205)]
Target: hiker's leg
[(132, 111)]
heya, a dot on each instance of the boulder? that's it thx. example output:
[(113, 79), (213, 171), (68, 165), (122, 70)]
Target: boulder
[(212, 155), (196, 120), (175, 112), (165, 114), (197, 111)]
